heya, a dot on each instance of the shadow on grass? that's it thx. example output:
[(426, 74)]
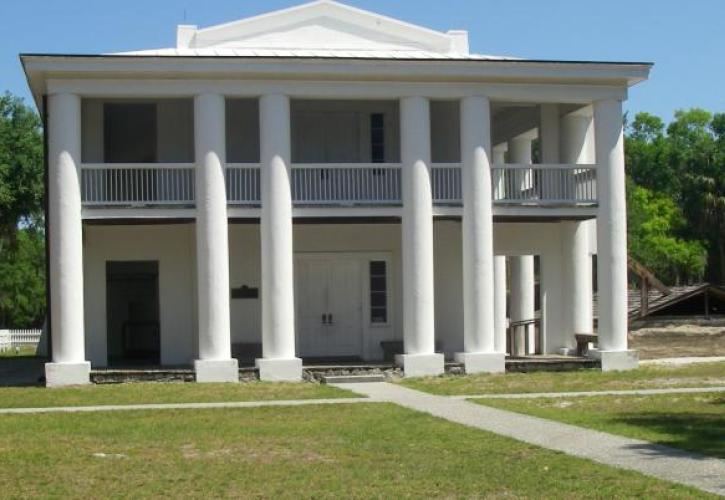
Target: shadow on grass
[(22, 371), (700, 432)]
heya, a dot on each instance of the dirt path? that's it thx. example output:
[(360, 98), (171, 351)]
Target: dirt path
[(679, 341)]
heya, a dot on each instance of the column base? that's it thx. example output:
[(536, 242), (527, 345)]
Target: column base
[(62, 374), (482, 362), (420, 365), (280, 369), (616, 360), (216, 370)]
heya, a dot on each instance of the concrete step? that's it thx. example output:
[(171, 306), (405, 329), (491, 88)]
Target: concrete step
[(352, 379)]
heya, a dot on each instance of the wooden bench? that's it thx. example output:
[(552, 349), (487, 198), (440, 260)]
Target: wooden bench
[(582, 342)]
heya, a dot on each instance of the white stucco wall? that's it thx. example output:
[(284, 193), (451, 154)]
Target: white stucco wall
[(173, 246)]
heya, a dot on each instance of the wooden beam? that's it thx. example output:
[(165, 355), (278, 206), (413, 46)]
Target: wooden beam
[(647, 275)]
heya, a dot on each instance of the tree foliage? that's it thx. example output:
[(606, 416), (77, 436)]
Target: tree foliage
[(22, 254), (21, 166), (22, 280), (653, 220), (684, 162)]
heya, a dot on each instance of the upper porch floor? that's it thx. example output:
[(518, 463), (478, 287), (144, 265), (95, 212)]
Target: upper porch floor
[(138, 154)]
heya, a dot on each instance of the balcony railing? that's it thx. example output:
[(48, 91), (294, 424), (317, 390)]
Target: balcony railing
[(446, 183), (544, 184), (367, 184), (346, 184), (137, 184), (243, 184)]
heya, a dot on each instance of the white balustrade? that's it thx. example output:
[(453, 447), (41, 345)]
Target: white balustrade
[(541, 184), (346, 184), (335, 184), (243, 184), (446, 183), (137, 184)]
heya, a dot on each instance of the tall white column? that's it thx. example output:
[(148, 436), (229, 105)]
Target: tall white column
[(417, 232), (278, 360), (577, 282), (499, 159), (478, 274), (611, 238), (522, 301), (215, 363), (69, 365), (522, 266), (499, 303), (576, 148), (549, 133)]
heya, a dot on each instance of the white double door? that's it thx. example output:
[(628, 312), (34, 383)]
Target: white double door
[(329, 301)]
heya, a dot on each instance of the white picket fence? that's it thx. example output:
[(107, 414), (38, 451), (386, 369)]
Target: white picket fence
[(10, 339)]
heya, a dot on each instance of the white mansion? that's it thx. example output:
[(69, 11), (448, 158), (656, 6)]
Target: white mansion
[(325, 183)]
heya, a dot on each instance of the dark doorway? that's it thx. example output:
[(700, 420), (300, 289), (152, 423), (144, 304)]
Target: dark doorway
[(132, 305)]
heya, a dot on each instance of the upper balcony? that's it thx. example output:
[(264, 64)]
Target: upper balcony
[(140, 154)]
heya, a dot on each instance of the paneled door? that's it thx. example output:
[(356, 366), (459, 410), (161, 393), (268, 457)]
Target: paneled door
[(329, 305)]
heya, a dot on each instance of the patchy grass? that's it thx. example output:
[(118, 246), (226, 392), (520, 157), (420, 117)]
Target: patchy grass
[(168, 392), (342, 451), (18, 352), (694, 422), (647, 377)]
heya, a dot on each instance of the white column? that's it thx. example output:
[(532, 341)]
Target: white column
[(478, 274), (576, 134), (215, 363), (549, 133), (499, 159), (417, 232), (278, 360), (577, 281), (522, 267), (69, 365), (611, 237), (499, 303), (522, 300)]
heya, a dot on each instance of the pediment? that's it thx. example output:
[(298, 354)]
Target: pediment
[(322, 25)]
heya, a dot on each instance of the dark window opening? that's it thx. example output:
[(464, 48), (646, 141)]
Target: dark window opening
[(129, 133), (377, 138), (378, 292)]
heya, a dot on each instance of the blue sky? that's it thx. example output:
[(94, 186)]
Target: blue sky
[(685, 39)]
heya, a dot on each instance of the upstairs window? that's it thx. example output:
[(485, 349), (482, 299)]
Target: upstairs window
[(377, 137)]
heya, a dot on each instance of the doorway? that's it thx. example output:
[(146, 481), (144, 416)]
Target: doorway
[(329, 300), (132, 305)]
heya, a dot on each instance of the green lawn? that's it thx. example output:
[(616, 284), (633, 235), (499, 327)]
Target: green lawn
[(362, 450), (20, 352), (648, 377), (689, 421), (135, 393)]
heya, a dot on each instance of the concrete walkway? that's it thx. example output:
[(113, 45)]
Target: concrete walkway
[(182, 406), (682, 361), (627, 392), (702, 472)]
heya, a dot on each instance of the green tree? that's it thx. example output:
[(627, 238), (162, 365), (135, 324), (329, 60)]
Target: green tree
[(21, 166), (22, 280), (22, 260), (697, 152), (652, 221)]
